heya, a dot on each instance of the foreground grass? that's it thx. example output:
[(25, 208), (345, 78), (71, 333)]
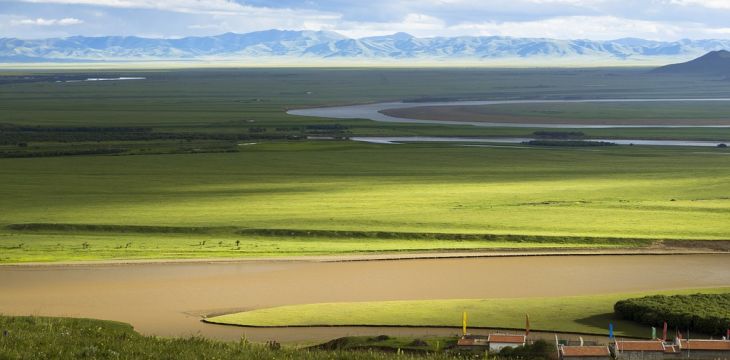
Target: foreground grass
[(620, 193), (576, 314), (65, 338)]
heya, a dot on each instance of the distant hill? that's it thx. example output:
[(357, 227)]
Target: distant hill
[(331, 45), (712, 63)]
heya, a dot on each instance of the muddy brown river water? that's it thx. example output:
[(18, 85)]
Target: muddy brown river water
[(169, 299)]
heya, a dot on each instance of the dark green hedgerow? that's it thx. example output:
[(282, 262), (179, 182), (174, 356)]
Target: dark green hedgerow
[(704, 313)]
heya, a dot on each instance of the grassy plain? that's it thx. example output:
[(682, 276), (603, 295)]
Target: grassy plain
[(215, 149), (234, 101), (618, 192), (576, 314), (642, 113)]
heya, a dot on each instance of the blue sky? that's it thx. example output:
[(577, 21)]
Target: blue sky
[(563, 19)]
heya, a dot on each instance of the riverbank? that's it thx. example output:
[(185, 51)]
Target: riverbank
[(691, 247)]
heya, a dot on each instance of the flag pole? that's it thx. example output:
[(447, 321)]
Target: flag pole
[(463, 323)]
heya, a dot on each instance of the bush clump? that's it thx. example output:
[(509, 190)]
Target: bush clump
[(705, 313)]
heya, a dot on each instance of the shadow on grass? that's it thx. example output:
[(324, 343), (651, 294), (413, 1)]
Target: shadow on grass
[(600, 322)]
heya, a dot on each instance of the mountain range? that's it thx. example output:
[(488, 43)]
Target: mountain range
[(331, 45)]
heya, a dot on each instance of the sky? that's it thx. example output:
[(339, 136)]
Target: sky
[(666, 20)]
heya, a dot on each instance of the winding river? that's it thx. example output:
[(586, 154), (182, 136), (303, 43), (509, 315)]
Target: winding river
[(168, 299), (374, 112)]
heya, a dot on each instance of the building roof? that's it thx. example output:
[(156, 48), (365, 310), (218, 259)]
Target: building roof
[(640, 345), (507, 339), (706, 345), (584, 351), (472, 342)]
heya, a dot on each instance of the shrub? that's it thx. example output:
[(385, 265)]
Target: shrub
[(705, 313)]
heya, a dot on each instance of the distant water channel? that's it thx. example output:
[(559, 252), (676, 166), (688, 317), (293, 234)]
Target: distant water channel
[(374, 112), (517, 140)]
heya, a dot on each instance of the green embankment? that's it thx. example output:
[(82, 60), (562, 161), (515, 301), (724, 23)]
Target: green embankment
[(66, 338), (540, 197), (576, 314)]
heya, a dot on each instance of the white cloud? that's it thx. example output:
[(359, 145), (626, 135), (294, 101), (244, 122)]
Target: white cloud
[(171, 5), (47, 22), (562, 19), (580, 27), (712, 4), (211, 7)]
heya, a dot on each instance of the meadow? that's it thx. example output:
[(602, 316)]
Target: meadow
[(214, 149), (642, 113), (617, 193), (574, 314)]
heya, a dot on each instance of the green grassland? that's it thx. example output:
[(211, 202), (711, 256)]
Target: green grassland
[(595, 113), (66, 338), (216, 103), (575, 314), (409, 190), (215, 149)]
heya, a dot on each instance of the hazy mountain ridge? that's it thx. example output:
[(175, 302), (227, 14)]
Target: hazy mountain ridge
[(712, 63), (327, 45)]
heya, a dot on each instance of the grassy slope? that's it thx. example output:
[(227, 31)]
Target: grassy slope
[(623, 192), (62, 338), (582, 314)]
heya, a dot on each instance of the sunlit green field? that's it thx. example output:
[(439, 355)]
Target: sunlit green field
[(215, 149), (577, 314), (621, 192)]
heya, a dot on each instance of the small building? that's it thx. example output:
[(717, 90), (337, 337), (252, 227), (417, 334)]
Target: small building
[(497, 342), (705, 349), (595, 352), (639, 350)]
